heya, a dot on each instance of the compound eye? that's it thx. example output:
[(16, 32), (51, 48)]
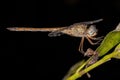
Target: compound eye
[(92, 31)]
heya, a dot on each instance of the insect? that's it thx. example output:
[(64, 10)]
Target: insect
[(82, 29)]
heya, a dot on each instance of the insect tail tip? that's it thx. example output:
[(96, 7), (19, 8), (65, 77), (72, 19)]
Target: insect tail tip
[(8, 28), (11, 29)]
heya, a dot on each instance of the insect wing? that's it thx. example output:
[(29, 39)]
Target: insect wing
[(57, 32)]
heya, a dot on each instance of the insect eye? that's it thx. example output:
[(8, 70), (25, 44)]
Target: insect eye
[(92, 31)]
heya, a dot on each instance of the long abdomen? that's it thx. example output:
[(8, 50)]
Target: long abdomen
[(33, 29)]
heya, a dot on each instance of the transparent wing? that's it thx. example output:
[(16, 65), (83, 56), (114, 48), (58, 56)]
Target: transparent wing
[(57, 32), (90, 22), (85, 23)]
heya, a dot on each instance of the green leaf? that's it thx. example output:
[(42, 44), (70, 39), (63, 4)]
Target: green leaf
[(118, 55), (110, 41)]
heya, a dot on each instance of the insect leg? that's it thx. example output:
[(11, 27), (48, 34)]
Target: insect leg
[(92, 42), (98, 38), (81, 46)]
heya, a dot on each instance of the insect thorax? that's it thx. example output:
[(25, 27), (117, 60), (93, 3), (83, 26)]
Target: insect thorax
[(76, 30)]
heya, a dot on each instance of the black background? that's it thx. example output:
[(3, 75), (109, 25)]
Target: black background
[(35, 55)]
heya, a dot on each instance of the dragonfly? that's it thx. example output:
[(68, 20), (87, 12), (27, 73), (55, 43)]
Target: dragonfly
[(83, 30)]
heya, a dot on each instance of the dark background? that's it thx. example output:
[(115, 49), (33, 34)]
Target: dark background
[(35, 55)]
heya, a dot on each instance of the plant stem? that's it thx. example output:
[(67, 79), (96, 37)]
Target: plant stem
[(101, 61), (78, 74)]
